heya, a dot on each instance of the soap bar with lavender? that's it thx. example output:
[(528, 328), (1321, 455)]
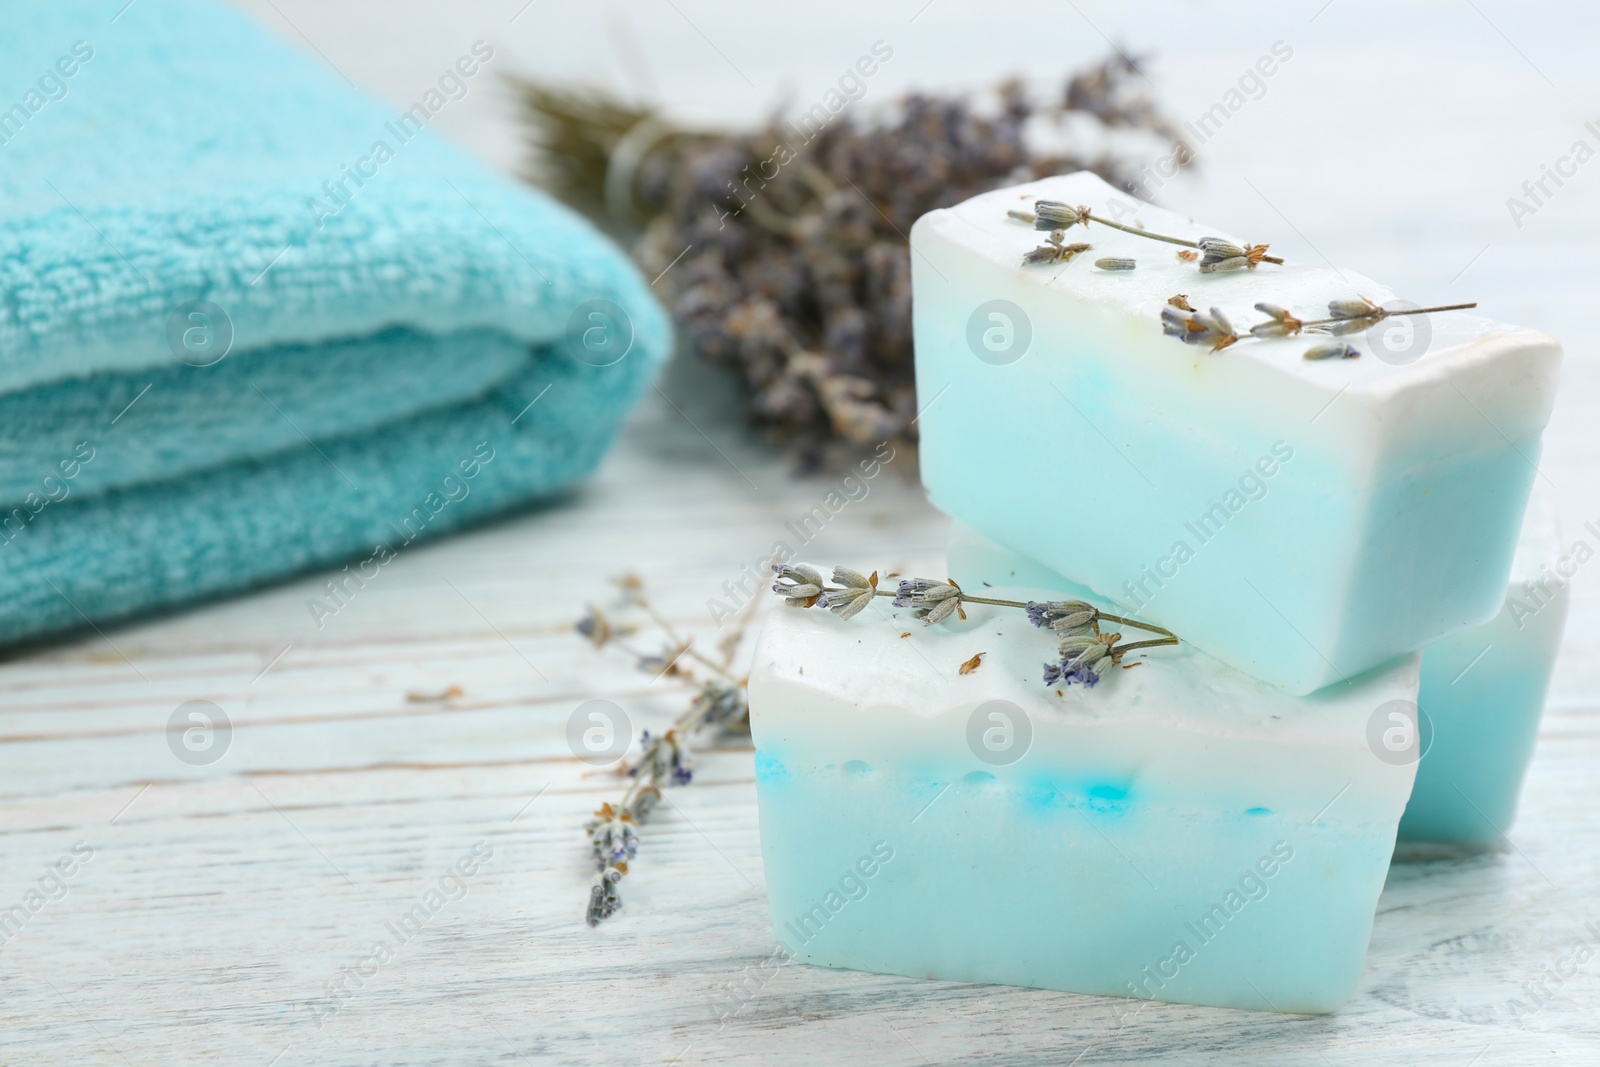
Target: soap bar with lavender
[(1483, 692), (1302, 520), (1177, 832)]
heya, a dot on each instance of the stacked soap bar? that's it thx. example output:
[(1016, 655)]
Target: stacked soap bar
[(1483, 691), (1179, 832), (1303, 521)]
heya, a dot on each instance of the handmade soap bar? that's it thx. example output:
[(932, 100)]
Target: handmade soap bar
[(1178, 832), (1482, 694), (1302, 520)]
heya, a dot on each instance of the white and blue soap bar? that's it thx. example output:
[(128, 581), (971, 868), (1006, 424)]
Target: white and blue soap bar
[(1303, 521), (1178, 832)]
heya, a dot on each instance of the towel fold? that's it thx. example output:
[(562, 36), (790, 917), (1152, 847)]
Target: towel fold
[(254, 322)]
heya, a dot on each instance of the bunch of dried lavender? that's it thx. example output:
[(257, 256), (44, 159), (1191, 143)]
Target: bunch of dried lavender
[(783, 251), (720, 704), (1085, 652)]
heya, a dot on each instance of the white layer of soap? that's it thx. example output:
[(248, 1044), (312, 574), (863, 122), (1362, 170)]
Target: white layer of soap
[(1139, 816), (1303, 521)]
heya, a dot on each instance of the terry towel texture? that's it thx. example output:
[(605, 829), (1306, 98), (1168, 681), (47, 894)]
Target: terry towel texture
[(176, 183)]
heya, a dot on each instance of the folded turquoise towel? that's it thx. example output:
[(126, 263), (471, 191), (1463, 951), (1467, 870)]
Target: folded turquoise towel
[(252, 322)]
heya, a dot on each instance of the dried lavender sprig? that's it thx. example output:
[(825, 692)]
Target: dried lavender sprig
[(1355, 315), (937, 599), (665, 759), (1347, 316), (1058, 215)]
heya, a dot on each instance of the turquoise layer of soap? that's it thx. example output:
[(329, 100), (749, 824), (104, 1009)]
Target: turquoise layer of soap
[(1483, 691), (1078, 886)]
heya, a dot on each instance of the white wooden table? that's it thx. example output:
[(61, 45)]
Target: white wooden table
[(227, 911)]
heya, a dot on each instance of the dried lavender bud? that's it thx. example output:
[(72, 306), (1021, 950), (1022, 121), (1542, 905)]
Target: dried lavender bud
[(856, 592), (1358, 308), (931, 600), (1218, 254), (613, 836), (604, 900), (1197, 328), (1063, 615), (1341, 327), (919, 592), (596, 627), (1214, 248), (1332, 350), (1351, 316), (717, 704), (665, 758), (1283, 324), (1114, 263), (1055, 215), (800, 584), (1054, 250), (1049, 252), (1083, 660)]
